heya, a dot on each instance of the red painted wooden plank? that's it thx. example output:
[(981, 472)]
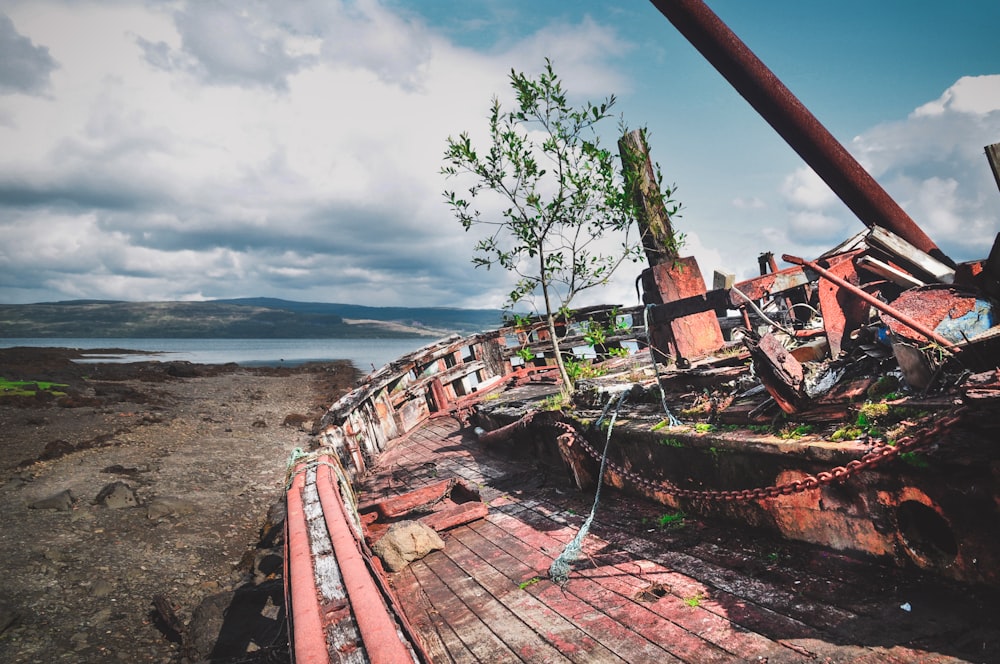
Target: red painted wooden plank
[(674, 638), (619, 637), (477, 637), (551, 625), (675, 605), (504, 623), (436, 637)]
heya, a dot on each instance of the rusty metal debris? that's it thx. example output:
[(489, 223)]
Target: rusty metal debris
[(890, 286), (839, 312), (793, 121)]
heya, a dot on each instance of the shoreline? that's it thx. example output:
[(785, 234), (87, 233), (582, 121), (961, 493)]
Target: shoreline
[(363, 353), (199, 452)]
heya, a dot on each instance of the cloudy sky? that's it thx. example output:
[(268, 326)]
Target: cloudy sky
[(205, 149)]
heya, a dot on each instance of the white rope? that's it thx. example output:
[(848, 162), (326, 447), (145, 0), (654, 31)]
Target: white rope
[(671, 420), (560, 567)]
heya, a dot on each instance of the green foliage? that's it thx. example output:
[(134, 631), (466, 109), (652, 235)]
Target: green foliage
[(577, 369), (671, 520), (554, 402), (547, 192), (526, 354), (516, 320), (704, 427), (694, 600), (915, 459), (594, 333), (670, 442)]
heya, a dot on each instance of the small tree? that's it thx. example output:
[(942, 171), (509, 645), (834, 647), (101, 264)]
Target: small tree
[(559, 193)]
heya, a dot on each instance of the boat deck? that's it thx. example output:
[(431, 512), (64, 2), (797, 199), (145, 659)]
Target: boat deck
[(645, 591)]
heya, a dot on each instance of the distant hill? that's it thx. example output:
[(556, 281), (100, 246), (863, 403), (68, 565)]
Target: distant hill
[(245, 318)]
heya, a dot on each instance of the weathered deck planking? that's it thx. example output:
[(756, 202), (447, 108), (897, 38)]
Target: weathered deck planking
[(642, 594)]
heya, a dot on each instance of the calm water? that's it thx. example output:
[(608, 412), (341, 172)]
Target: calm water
[(363, 353)]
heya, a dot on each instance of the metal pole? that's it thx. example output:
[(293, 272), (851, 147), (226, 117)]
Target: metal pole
[(914, 325), (793, 121)]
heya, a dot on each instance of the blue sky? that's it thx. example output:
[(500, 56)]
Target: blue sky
[(192, 150)]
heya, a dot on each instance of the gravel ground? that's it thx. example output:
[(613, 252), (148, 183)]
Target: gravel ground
[(166, 547)]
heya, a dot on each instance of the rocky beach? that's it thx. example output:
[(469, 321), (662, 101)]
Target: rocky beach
[(141, 505)]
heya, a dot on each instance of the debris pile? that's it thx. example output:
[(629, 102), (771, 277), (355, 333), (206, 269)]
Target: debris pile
[(875, 306)]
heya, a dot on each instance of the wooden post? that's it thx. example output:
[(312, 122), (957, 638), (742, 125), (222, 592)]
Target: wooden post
[(669, 277), (993, 155), (654, 223)]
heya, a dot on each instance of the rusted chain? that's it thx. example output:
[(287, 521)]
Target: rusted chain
[(882, 453)]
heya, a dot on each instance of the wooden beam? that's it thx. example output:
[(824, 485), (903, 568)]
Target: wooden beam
[(897, 246), (651, 214)]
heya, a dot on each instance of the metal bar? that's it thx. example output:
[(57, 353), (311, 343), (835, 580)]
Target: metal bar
[(793, 121), (874, 301), (309, 637), (383, 643)]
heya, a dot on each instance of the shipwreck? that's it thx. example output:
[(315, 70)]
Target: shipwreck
[(797, 467)]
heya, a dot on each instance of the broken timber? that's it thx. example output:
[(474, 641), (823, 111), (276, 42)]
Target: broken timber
[(669, 277)]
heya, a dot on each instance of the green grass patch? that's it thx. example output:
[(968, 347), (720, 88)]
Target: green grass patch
[(29, 388), (671, 520)]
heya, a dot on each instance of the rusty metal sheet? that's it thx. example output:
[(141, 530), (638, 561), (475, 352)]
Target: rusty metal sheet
[(780, 373), (842, 311), (692, 335), (951, 313), (766, 285)]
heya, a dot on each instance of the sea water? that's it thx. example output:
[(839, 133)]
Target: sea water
[(365, 354)]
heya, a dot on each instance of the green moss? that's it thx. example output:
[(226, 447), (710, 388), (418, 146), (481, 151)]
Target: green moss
[(795, 432), (869, 413), (915, 459), (847, 433), (884, 388), (660, 425)]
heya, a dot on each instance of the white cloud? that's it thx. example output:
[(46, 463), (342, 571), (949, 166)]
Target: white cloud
[(976, 95), (199, 150), (805, 189), (24, 67), (931, 163), (934, 165), (812, 227)]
